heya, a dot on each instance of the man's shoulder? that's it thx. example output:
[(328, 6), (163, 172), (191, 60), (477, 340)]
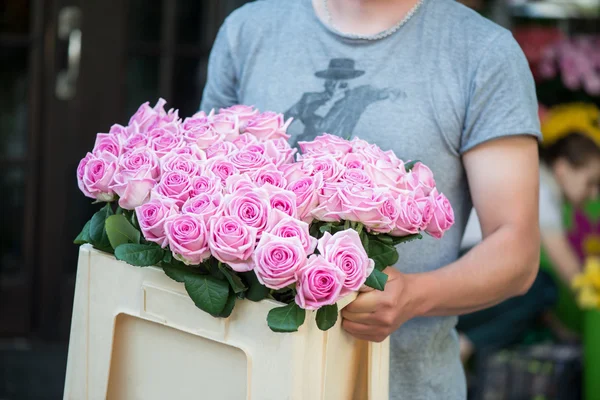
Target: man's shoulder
[(466, 24), (261, 14)]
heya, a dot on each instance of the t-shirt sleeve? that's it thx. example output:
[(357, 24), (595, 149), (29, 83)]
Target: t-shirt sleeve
[(502, 99), (221, 83)]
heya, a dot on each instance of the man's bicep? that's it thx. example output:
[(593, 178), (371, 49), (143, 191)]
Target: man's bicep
[(503, 178)]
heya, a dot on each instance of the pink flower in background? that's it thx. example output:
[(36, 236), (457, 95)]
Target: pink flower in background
[(136, 141), (204, 206), (319, 283), (277, 259), (345, 250), (221, 167), (268, 126), (251, 206), (220, 149), (107, 143), (152, 216), (326, 144), (287, 227), (207, 183), (183, 163), (282, 200), (146, 116), (174, 185), (269, 174), (232, 242), (244, 140), (410, 218), (307, 198), (226, 125), (202, 136), (123, 132), (243, 113), (188, 238), (443, 216), (247, 161), (97, 176), (140, 159)]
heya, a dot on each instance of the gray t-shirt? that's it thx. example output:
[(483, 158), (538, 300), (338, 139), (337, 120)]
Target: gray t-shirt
[(445, 82)]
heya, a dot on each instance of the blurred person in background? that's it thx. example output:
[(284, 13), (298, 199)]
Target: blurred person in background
[(431, 80), (569, 171)]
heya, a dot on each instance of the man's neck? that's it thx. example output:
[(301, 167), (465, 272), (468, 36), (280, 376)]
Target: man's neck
[(364, 17)]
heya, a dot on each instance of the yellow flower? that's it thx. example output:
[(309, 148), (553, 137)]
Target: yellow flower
[(589, 298), (568, 118)]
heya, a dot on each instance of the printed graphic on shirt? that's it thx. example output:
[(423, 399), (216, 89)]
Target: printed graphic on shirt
[(338, 108)]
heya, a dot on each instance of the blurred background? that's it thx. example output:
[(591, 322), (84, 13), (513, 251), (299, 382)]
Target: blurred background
[(72, 68)]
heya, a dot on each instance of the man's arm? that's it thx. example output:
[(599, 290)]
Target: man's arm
[(504, 182), (562, 255)]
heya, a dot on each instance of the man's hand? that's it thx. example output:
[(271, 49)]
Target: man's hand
[(374, 315)]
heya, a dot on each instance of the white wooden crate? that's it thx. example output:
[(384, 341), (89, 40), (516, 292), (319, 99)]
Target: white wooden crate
[(136, 334)]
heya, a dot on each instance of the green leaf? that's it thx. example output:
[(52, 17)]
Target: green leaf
[(405, 239), (384, 255), (287, 318), (120, 231), (175, 272), (364, 239), (98, 236), (256, 290), (168, 257), (234, 280), (327, 317), (326, 227), (387, 239), (84, 235), (140, 255), (376, 280), (228, 309), (410, 165), (207, 292)]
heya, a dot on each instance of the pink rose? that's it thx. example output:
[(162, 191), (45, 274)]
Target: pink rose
[(232, 242), (198, 120), (98, 176), (172, 118), (226, 125), (123, 132), (133, 187), (328, 166), (384, 173), (307, 198), (293, 172), (389, 211), (331, 207), (244, 140), (354, 161), (239, 182), (410, 218), (203, 136), (319, 283), (279, 151), (163, 140), (107, 143), (282, 200), (419, 180), (269, 174), (247, 161), (268, 126), (207, 183), (183, 163), (190, 150), (220, 149), (427, 208), (277, 259), (204, 206), (221, 167), (346, 252), (188, 238), (243, 113), (174, 185), (81, 174), (355, 176), (443, 216), (288, 227), (326, 144), (136, 141), (363, 205), (141, 159), (251, 206), (145, 116), (151, 217)]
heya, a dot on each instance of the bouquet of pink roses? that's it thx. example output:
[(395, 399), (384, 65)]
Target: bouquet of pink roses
[(221, 204)]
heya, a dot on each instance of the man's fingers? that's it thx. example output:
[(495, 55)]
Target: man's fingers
[(363, 332), (363, 318), (366, 302)]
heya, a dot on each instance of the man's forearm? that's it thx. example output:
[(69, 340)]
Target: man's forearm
[(502, 266)]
